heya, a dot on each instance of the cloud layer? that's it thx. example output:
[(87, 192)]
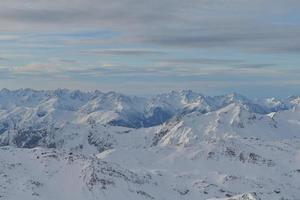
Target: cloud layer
[(94, 41)]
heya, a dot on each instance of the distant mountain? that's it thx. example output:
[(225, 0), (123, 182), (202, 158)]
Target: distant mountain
[(63, 105)]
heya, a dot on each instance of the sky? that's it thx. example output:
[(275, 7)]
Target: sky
[(145, 47)]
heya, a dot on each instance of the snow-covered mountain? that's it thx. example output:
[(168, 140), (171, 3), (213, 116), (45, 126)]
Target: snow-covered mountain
[(65, 144)]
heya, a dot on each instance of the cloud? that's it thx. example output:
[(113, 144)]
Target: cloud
[(191, 42), (263, 40), (68, 61), (228, 64), (297, 158), (153, 79), (261, 26), (123, 52), (51, 67), (37, 68), (199, 61), (3, 59), (7, 38), (41, 15), (212, 69), (256, 66)]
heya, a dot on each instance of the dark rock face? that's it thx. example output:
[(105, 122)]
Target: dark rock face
[(158, 136), (29, 138), (162, 132), (103, 174), (4, 126), (101, 143), (255, 159)]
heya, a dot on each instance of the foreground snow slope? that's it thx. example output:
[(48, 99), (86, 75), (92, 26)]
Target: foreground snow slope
[(182, 145)]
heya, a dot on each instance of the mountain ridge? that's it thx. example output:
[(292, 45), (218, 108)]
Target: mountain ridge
[(66, 144), (132, 111)]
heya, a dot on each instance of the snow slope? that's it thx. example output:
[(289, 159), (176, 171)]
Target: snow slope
[(66, 144)]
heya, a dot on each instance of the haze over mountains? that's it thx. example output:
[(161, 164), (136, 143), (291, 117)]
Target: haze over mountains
[(69, 144)]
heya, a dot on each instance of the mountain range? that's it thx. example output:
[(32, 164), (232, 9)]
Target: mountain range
[(70, 144)]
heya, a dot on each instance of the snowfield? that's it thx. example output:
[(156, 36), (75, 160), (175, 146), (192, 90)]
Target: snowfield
[(75, 145)]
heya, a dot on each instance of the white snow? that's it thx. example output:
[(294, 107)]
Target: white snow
[(76, 145)]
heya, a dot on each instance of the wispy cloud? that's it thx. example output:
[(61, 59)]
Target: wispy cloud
[(199, 61), (191, 42), (8, 38), (256, 66), (3, 58), (124, 52), (68, 61), (246, 25)]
